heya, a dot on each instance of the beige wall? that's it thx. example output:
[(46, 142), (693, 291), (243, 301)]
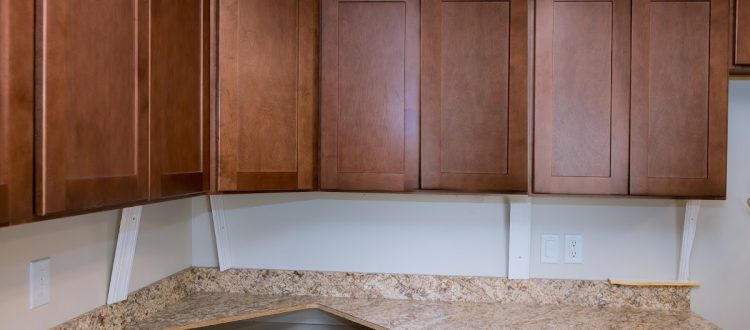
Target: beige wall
[(82, 249)]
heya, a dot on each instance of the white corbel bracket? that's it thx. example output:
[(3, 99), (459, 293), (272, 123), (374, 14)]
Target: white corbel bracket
[(124, 252), (692, 208), (221, 232)]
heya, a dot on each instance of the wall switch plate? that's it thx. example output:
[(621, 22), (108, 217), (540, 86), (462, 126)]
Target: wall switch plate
[(573, 249), (550, 249), (39, 283)]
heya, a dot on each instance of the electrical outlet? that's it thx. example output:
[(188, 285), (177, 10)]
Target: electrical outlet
[(573, 249), (550, 249), (39, 283)]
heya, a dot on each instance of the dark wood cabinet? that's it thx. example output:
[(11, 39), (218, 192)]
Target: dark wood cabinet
[(92, 104), (742, 32), (268, 99), (179, 101), (370, 95), (474, 95), (582, 95), (679, 98), (16, 110)]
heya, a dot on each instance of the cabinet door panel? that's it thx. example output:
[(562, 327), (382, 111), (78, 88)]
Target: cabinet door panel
[(268, 73), (370, 96), (742, 32), (581, 97), (679, 103), (16, 110), (178, 98), (92, 104), (474, 85)]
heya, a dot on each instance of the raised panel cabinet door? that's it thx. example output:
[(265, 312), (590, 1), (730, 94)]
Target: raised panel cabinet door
[(92, 104), (742, 32), (179, 100), (268, 98), (370, 95), (474, 95), (679, 98), (582, 94), (16, 110)]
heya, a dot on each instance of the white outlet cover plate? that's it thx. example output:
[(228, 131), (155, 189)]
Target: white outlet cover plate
[(39, 283), (573, 249), (550, 249)]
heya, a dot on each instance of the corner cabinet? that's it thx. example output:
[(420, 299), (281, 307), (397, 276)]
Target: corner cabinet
[(92, 104), (631, 105), (16, 110), (179, 101), (474, 95), (268, 95), (370, 95)]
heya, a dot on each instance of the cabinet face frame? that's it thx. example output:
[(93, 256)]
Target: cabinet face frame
[(105, 180), (259, 161), (444, 139), (16, 110), (740, 33), (667, 172), (346, 164), (577, 174), (177, 89)]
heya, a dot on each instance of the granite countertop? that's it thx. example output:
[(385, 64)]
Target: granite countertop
[(201, 309)]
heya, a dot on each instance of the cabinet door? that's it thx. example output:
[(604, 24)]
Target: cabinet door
[(370, 95), (679, 98), (16, 110), (179, 100), (268, 94), (741, 32), (92, 120), (581, 97), (474, 95)]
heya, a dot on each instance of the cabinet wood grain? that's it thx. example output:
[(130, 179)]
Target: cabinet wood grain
[(741, 32), (370, 95), (679, 98), (179, 99), (268, 73), (474, 95), (16, 110), (92, 104), (582, 92)]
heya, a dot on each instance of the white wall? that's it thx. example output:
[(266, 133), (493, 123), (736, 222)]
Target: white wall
[(467, 235), (721, 254), (82, 249)]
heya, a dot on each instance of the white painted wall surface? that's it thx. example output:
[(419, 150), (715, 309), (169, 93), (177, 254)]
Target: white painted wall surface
[(82, 249), (721, 251)]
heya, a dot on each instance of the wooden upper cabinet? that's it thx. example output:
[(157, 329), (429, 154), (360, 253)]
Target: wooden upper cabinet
[(16, 110), (268, 78), (741, 32), (370, 95), (474, 95), (679, 98), (581, 115), (179, 101), (92, 105)]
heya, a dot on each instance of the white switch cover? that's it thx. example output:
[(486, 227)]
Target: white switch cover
[(550, 249), (573, 249), (39, 283)]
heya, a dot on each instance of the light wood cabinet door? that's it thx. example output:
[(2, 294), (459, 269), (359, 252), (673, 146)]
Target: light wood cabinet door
[(582, 95), (268, 81), (679, 98), (92, 104), (179, 101), (474, 95), (16, 110), (370, 95)]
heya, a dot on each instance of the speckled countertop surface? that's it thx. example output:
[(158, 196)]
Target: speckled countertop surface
[(202, 309)]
